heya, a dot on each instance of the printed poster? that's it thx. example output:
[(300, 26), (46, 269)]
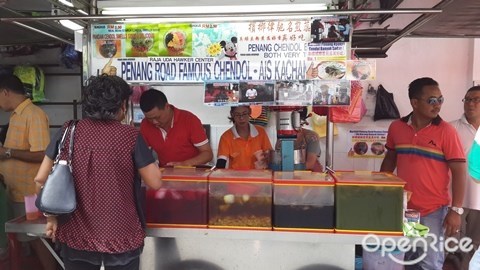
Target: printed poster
[(221, 93), (368, 143), (199, 52)]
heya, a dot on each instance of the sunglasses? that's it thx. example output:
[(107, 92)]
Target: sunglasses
[(434, 100), (468, 100)]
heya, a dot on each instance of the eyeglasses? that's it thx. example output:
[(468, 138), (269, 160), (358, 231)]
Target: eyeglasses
[(468, 100), (434, 100), (238, 115)]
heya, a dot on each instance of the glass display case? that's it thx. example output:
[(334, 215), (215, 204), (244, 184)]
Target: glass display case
[(240, 199), (181, 201), (368, 202), (303, 201)]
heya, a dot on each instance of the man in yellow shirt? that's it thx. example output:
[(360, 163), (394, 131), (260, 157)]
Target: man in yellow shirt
[(23, 151)]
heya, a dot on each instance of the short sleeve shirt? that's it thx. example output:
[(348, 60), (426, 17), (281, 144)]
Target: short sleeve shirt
[(474, 158), (28, 130), (105, 160), (239, 152), (181, 141), (251, 93), (466, 133), (422, 161)]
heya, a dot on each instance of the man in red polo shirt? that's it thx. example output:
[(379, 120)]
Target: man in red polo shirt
[(177, 136), (425, 149)]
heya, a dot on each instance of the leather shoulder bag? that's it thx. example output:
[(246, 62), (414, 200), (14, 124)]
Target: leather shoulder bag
[(58, 196)]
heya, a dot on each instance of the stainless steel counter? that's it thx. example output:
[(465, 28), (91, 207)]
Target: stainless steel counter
[(199, 249)]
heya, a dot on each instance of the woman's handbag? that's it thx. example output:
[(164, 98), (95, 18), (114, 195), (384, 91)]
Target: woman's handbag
[(57, 196)]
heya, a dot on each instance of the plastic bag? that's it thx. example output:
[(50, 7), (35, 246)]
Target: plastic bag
[(33, 80), (385, 107), (352, 113)]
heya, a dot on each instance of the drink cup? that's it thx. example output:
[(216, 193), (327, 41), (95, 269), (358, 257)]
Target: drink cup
[(31, 210), (412, 215)]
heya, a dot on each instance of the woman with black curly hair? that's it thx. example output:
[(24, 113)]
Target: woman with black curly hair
[(108, 160)]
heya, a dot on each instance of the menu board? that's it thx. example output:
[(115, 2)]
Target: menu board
[(276, 50)]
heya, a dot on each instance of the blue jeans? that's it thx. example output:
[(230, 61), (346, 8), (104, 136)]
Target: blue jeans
[(434, 259)]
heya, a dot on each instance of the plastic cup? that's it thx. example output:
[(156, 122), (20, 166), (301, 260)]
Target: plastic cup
[(412, 215), (31, 210)]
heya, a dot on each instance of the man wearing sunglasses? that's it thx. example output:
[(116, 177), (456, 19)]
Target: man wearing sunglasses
[(425, 149), (467, 127)]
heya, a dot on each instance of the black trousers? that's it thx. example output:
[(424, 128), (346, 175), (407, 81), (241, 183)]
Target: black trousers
[(82, 265)]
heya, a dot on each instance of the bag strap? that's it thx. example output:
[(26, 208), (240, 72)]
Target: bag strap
[(71, 126), (70, 147)]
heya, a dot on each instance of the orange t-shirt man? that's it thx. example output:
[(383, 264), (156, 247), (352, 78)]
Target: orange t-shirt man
[(239, 152)]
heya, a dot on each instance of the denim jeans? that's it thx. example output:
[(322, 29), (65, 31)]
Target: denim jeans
[(82, 265), (434, 259)]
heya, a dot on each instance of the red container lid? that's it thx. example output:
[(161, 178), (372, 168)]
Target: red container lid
[(302, 178), (185, 174), (367, 178)]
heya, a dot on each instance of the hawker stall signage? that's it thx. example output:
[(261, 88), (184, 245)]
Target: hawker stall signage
[(199, 52)]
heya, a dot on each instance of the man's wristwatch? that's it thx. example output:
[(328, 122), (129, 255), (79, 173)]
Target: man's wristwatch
[(8, 153), (458, 210)]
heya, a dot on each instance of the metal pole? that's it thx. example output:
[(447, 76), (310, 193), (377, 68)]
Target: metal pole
[(54, 254), (417, 23), (329, 144), (313, 13), (42, 32)]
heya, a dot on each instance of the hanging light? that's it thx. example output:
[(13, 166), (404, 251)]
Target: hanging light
[(213, 9), (71, 25), (67, 3), (81, 11)]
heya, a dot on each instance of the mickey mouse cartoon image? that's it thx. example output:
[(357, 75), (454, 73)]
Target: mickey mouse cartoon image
[(229, 48)]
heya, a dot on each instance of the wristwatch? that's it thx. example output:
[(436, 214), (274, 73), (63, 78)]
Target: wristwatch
[(458, 210), (8, 153)]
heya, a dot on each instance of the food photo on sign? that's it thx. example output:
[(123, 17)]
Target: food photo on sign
[(326, 70), (176, 39), (141, 40), (109, 48), (358, 70)]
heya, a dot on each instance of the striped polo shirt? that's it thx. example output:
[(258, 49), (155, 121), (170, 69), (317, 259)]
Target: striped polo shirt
[(422, 160)]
